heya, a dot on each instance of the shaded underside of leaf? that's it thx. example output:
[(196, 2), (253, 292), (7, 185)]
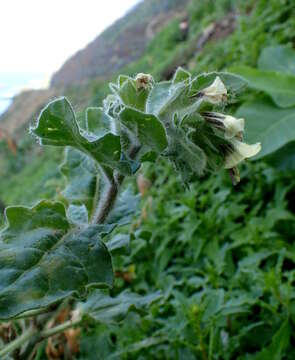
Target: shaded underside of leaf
[(81, 176), (124, 208), (97, 121)]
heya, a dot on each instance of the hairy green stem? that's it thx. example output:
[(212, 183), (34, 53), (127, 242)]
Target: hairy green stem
[(96, 197), (107, 201)]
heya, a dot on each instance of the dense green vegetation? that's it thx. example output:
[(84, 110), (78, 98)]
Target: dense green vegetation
[(222, 256), (224, 259)]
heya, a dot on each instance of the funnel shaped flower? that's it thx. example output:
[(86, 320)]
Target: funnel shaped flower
[(233, 126), (241, 151), (231, 129), (216, 92)]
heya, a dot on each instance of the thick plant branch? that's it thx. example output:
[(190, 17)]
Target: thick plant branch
[(106, 202)]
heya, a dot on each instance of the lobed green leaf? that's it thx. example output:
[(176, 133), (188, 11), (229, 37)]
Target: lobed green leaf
[(57, 126), (146, 128), (43, 260), (132, 97)]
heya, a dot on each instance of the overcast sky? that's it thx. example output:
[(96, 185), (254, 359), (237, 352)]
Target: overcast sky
[(37, 36)]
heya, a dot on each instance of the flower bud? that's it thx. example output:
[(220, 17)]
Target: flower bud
[(143, 81)]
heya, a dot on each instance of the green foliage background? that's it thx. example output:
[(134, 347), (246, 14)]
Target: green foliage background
[(222, 256)]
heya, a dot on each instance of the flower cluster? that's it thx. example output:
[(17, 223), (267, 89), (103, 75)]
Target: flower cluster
[(178, 119), (229, 127)]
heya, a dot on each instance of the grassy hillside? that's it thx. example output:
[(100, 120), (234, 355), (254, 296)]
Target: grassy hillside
[(220, 34), (222, 256)]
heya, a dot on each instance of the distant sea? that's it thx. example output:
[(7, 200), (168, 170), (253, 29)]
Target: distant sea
[(12, 83)]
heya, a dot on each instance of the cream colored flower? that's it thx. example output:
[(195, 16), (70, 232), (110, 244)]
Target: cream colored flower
[(241, 151), (216, 92), (231, 129), (233, 126)]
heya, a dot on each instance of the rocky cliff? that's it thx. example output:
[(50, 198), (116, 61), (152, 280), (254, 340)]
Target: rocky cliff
[(120, 44)]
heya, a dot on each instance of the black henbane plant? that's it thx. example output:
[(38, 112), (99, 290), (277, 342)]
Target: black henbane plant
[(56, 250)]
